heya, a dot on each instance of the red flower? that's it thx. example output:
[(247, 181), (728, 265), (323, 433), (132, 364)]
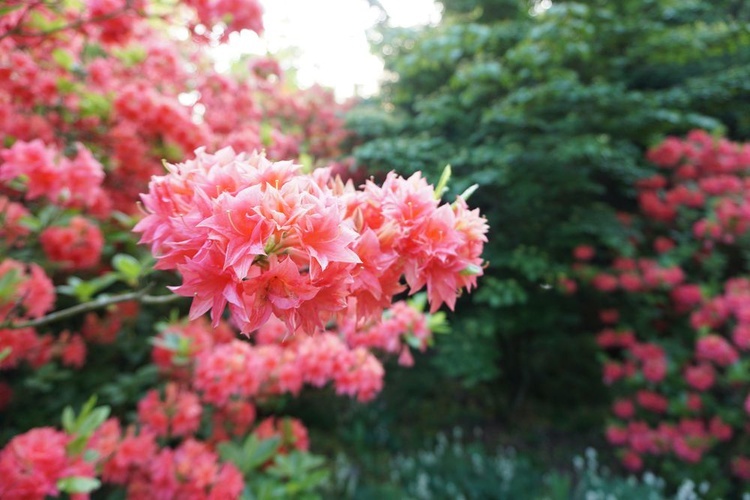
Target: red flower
[(701, 377), (77, 246), (583, 252)]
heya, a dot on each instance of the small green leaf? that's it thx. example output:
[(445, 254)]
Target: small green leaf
[(68, 420), (63, 58), (438, 323), (8, 282), (468, 192), (471, 270), (442, 185), (91, 456), (418, 301), (261, 452), (128, 267), (78, 484), (9, 8), (92, 104), (88, 424)]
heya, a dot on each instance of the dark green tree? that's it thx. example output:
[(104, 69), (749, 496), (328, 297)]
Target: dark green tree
[(549, 110)]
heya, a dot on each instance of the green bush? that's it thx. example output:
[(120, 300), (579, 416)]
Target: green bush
[(549, 112)]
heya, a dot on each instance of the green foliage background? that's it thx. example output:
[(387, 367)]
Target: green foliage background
[(550, 112)]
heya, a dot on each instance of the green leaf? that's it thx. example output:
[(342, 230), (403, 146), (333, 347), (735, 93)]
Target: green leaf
[(8, 282), (63, 58), (93, 104), (5, 353), (438, 323), (442, 185), (471, 270), (469, 191), (128, 267), (132, 55), (88, 424), (78, 484), (418, 301), (261, 450), (251, 454), (84, 291), (68, 420), (9, 8)]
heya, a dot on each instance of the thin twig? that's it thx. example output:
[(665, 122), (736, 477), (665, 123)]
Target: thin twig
[(17, 30), (98, 303)]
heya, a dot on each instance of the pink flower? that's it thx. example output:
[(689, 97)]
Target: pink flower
[(33, 293), (130, 457), (583, 252), (716, 349), (77, 246), (73, 352), (623, 408), (666, 154), (604, 282), (609, 316), (652, 401), (263, 239), (694, 402), (632, 460), (34, 161), (719, 429), (231, 369), (700, 377), (741, 467), (741, 336), (31, 464), (617, 435), (11, 228), (177, 414), (292, 432), (686, 297)]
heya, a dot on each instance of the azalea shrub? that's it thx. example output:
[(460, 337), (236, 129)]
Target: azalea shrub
[(114, 132), (674, 315)]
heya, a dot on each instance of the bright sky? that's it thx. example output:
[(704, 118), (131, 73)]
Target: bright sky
[(325, 40)]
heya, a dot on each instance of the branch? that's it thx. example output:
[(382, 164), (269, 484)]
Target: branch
[(99, 303), (18, 31)]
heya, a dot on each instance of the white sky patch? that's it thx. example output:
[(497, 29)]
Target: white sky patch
[(325, 41)]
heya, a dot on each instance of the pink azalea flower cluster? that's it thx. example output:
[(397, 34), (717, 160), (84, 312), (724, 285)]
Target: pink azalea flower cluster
[(51, 91), (235, 14), (103, 330), (75, 246), (72, 183), (32, 464), (401, 326), (678, 378), (115, 20), (135, 461), (291, 431), (264, 239), (705, 172), (36, 464), (29, 293), (637, 275), (689, 439), (216, 370), (191, 470), (229, 374), (239, 370), (177, 413), (26, 345), (12, 229)]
